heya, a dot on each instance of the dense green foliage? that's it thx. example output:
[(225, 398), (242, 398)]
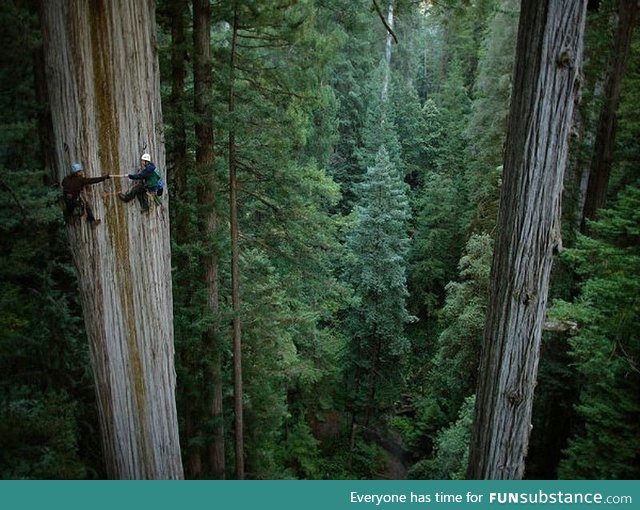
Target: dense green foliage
[(48, 426), (377, 246), (366, 235), (606, 349)]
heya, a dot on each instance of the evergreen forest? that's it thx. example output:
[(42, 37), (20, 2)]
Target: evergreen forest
[(337, 181)]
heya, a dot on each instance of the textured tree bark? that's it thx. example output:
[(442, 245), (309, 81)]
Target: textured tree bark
[(600, 169), (103, 83), (546, 82)]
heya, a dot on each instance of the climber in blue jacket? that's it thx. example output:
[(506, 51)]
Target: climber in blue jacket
[(150, 181)]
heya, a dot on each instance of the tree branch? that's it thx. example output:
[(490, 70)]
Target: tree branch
[(6, 187), (560, 326), (260, 198), (384, 21)]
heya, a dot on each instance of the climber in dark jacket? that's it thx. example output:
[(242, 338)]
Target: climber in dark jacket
[(150, 180), (72, 186)]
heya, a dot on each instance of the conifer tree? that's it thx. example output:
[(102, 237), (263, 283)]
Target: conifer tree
[(349, 75), (379, 244), (436, 245), (47, 401), (452, 368), (411, 127), (487, 127), (433, 138), (282, 227), (379, 129), (600, 168), (606, 348), (452, 377)]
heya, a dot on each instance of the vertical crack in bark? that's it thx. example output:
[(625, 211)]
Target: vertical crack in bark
[(108, 154)]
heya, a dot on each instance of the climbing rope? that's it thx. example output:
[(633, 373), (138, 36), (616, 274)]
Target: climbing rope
[(101, 193)]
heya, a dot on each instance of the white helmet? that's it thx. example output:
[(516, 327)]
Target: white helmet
[(145, 157)]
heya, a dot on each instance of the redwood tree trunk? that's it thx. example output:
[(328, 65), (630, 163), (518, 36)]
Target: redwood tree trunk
[(104, 94), (600, 169), (177, 10), (238, 393), (546, 81), (203, 98)]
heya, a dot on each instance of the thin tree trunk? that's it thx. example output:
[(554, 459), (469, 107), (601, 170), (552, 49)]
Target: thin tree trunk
[(235, 265), (193, 460), (546, 81), (177, 10), (217, 447), (353, 425), (203, 98), (177, 161), (104, 93), (600, 169), (375, 357), (387, 54), (45, 125)]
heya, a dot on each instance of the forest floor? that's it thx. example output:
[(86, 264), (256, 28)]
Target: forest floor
[(398, 457)]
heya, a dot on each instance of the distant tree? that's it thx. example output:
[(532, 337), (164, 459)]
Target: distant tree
[(272, 81), (450, 374), (487, 127), (379, 244), (454, 106), (410, 126), (349, 76), (208, 224), (453, 375), (436, 244), (238, 393), (463, 27), (379, 129), (546, 78), (606, 348), (176, 104), (451, 449), (601, 161), (433, 138)]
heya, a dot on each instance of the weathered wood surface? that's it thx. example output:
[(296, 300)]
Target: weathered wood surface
[(103, 82), (546, 81)]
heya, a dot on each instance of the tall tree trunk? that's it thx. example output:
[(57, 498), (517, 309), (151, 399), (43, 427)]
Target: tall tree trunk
[(203, 100), (104, 93), (192, 429), (217, 447), (352, 410), (546, 81), (373, 376), (45, 126), (235, 264), (600, 168)]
